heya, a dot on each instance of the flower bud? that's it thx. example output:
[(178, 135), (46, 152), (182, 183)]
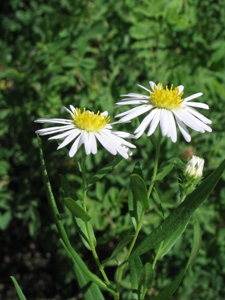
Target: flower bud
[(195, 167), (192, 176)]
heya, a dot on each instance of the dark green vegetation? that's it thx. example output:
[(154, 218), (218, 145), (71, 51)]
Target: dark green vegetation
[(87, 53)]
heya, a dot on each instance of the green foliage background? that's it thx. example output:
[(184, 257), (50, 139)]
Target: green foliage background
[(87, 53)]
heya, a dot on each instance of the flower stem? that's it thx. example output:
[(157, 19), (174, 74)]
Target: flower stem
[(122, 267), (156, 164), (87, 223)]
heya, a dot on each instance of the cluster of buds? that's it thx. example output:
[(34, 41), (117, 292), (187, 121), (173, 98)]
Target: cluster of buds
[(193, 174)]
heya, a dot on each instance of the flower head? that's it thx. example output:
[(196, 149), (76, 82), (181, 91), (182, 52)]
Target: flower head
[(192, 175), (194, 168), (167, 108), (86, 127)]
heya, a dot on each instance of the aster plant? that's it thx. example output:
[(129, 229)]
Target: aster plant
[(83, 131)]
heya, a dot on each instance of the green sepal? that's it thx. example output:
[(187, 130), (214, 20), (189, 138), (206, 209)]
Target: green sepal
[(180, 214), (172, 287), (18, 289), (76, 209)]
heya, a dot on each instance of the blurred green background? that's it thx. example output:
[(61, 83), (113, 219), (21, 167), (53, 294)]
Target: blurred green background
[(88, 53)]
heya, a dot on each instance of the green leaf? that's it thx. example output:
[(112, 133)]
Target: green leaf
[(167, 167), (89, 289), (82, 230), (76, 209), (5, 219), (168, 243), (135, 207), (118, 248), (139, 190), (146, 276), (172, 287), (68, 191), (18, 289), (68, 61), (104, 171), (135, 269), (55, 214), (180, 214)]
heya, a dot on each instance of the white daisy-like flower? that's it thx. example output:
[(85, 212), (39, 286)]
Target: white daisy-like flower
[(86, 128), (167, 108)]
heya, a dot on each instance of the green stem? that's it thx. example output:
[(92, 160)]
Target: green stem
[(156, 164), (139, 225), (123, 266), (87, 224), (56, 217)]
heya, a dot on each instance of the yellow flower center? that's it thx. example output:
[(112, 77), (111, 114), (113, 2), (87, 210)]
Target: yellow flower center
[(166, 98), (89, 121)]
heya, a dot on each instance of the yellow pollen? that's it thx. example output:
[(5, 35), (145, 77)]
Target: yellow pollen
[(166, 98), (89, 121)]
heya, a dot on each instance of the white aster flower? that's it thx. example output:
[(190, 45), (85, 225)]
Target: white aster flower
[(86, 128), (167, 108)]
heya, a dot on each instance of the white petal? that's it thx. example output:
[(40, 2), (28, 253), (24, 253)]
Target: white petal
[(73, 109), (134, 96), (134, 112), (57, 121), (76, 145), (168, 126), (152, 85), (199, 116), (180, 88), (115, 137), (197, 104), (154, 123), (64, 134), (145, 122), (164, 122), (193, 96), (189, 119), (93, 143), (130, 102), (106, 143), (52, 130), (183, 130), (69, 139), (141, 86)]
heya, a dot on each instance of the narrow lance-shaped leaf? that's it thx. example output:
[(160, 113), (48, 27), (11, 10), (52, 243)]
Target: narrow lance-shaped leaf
[(123, 243), (139, 190), (104, 171), (135, 269), (92, 292), (172, 287), (82, 230), (171, 239), (166, 168), (76, 209), (135, 206), (18, 289), (180, 214), (146, 276)]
